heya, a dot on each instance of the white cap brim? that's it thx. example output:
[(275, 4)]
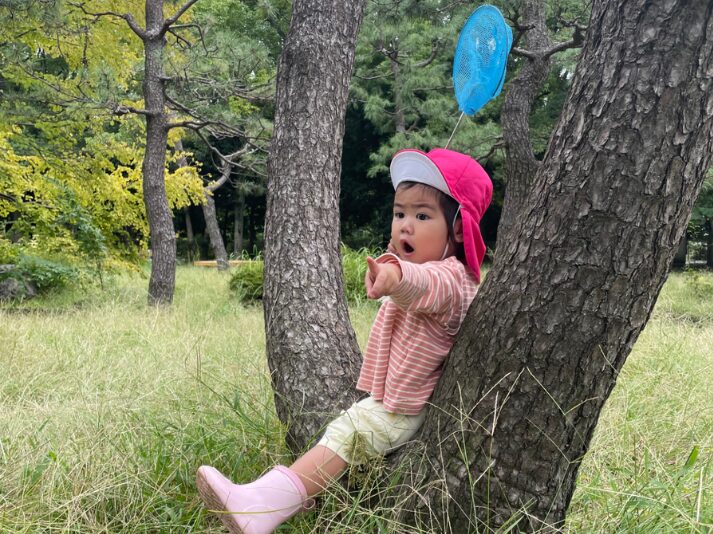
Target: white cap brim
[(415, 166)]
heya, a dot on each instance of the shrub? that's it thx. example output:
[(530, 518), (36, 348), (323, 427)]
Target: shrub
[(46, 274), (247, 278), (8, 252)]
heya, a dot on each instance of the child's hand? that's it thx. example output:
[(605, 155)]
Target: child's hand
[(381, 278)]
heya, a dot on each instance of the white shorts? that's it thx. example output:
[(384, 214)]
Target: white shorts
[(366, 430)]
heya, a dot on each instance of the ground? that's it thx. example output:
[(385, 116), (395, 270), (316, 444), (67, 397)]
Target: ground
[(107, 407)]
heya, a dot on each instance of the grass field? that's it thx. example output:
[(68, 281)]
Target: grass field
[(107, 407)]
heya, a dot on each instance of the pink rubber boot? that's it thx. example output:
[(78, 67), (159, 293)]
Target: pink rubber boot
[(255, 508)]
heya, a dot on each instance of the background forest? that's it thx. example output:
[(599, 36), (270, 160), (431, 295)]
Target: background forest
[(73, 136), (72, 145)]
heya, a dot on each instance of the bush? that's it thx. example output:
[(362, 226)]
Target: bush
[(46, 274), (247, 278), (8, 252)]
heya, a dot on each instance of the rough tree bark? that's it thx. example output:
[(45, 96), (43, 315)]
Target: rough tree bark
[(521, 164), (709, 243), (557, 316), (312, 349), (211, 219), (190, 238), (163, 238), (238, 218)]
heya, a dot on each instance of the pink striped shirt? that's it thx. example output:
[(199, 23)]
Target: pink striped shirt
[(414, 331)]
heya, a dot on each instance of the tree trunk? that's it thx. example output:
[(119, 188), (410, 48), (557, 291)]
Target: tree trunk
[(521, 165), (709, 244), (557, 316), (679, 259), (239, 216), (211, 219), (190, 237), (399, 114), (163, 237), (214, 235), (312, 349)]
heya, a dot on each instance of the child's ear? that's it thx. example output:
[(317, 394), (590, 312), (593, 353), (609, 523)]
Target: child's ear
[(458, 230)]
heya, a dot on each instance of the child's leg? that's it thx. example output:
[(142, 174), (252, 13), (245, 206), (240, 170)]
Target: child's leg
[(318, 467)]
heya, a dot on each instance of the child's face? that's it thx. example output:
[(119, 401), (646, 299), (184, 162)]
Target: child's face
[(418, 229)]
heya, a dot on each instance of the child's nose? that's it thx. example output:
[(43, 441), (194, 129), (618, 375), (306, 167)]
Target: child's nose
[(407, 225)]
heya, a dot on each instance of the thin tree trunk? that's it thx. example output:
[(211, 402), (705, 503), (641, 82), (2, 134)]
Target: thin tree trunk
[(399, 114), (211, 219), (163, 238), (557, 316), (239, 216), (679, 259), (709, 244), (190, 238), (312, 349)]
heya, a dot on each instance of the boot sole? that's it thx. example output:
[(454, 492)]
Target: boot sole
[(216, 505)]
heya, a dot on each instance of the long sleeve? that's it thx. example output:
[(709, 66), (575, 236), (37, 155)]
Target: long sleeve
[(414, 331)]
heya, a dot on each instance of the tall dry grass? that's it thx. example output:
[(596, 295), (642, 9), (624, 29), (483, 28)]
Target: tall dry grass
[(107, 407)]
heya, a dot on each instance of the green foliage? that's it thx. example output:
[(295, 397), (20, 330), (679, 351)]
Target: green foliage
[(9, 253), (47, 274), (354, 271), (246, 281), (44, 274)]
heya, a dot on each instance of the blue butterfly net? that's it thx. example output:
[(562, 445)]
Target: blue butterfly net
[(481, 58)]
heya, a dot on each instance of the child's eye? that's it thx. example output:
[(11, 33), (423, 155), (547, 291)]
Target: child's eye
[(398, 215), (422, 217)]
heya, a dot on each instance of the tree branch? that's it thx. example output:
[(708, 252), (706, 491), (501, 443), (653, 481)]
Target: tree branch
[(172, 20), (559, 47), (498, 145), (524, 53), (227, 168), (128, 17), (429, 60), (121, 109), (575, 42)]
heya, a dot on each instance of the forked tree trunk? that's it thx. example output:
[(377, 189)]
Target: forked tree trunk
[(211, 218), (238, 218), (557, 316), (679, 258), (709, 243), (521, 164), (312, 349), (190, 238), (213, 230), (163, 237)]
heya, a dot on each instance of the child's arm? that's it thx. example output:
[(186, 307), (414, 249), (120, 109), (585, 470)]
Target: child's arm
[(433, 288), (381, 278)]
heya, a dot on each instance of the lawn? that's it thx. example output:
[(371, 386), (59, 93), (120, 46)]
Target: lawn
[(107, 407)]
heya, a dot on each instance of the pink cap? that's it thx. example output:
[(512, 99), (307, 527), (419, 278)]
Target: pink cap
[(458, 176)]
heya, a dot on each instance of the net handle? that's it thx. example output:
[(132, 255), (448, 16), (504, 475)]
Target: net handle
[(454, 129)]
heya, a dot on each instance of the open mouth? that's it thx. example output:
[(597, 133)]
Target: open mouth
[(407, 248)]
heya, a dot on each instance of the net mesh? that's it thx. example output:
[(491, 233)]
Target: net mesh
[(481, 57)]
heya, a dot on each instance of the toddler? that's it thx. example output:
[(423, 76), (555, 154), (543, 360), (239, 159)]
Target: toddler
[(430, 275)]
